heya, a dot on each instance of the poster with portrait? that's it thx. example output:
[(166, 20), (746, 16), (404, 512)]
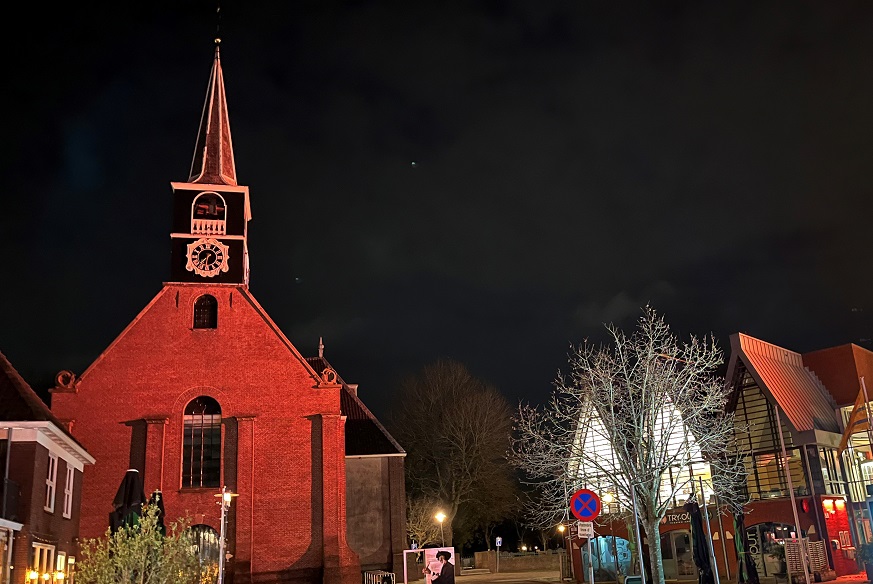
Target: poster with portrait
[(432, 564)]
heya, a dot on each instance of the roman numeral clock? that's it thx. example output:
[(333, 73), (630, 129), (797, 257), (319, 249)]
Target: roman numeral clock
[(207, 257)]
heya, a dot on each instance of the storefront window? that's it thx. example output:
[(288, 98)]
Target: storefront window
[(764, 538)]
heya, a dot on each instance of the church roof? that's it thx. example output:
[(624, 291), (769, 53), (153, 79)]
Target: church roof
[(213, 154), (365, 435)]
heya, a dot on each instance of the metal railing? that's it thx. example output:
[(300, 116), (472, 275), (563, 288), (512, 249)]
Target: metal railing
[(378, 577)]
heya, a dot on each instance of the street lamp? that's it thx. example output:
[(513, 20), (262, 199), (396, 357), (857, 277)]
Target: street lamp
[(440, 516), (226, 499), (562, 529)]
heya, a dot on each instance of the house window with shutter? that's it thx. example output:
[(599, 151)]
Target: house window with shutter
[(50, 482), (68, 492)]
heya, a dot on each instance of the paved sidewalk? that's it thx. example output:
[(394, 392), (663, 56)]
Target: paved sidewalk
[(538, 577), (552, 577)]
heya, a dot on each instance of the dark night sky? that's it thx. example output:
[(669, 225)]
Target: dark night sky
[(573, 161)]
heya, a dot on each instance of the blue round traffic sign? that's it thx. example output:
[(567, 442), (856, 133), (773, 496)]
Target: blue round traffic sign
[(585, 505)]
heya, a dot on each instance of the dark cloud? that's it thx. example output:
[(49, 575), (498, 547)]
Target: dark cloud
[(573, 162)]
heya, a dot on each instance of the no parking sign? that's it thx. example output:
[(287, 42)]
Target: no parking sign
[(585, 505)]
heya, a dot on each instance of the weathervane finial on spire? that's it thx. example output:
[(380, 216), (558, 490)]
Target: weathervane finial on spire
[(218, 22), (320, 347), (213, 153)]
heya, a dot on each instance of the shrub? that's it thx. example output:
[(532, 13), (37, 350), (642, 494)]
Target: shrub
[(140, 553)]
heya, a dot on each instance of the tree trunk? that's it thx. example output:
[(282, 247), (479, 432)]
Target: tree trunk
[(653, 534), (447, 525)]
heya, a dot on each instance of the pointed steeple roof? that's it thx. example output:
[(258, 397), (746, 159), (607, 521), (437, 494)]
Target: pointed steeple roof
[(213, 155)]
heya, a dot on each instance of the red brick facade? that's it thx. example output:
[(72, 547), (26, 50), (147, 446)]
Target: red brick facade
[(282, 433)]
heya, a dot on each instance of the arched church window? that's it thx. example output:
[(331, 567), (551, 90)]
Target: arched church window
[(209, 214), (205, 539), (201, 456), (206, 312)]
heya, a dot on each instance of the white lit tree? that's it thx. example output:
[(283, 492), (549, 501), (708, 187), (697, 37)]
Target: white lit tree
[(631, 414)]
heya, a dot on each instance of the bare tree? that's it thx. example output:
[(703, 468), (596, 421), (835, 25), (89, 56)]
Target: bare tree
[(420, 524), (647, 412), (455, 429), (488, 509)]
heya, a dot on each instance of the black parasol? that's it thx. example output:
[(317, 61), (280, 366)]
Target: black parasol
[(746, 568), (128, 501), (699, 544)]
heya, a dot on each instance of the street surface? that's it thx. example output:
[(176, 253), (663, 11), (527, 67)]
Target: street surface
[(516, 577), (552, 577)]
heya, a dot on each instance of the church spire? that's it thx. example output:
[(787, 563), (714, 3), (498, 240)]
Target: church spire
[(213, 155), (211, 210)]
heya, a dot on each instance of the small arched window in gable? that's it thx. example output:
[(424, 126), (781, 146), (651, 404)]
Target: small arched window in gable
[(201, 450), (206, 312), (209, 214)]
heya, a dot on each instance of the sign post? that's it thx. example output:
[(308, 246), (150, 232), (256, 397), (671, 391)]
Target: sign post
[(586, 506), (498, 542)]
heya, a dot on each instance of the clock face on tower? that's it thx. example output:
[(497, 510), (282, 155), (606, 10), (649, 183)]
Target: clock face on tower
[(207, 257)]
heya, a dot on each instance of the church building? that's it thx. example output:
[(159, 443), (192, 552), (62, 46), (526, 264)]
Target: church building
[(202, 390)]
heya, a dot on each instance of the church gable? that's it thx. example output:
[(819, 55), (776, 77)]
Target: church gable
[(202, 336)]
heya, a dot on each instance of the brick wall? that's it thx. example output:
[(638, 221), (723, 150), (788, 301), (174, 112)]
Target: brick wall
[(836, 518), (519, 563), (278, 457), (28, 468)]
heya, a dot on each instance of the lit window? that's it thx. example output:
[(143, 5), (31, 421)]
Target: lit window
[(205, 539), (43, 560), (206, 312), (68, 492), (201, 463), (50, 482)]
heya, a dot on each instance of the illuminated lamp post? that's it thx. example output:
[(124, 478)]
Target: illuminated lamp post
[(440, 516), (226, 499)]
